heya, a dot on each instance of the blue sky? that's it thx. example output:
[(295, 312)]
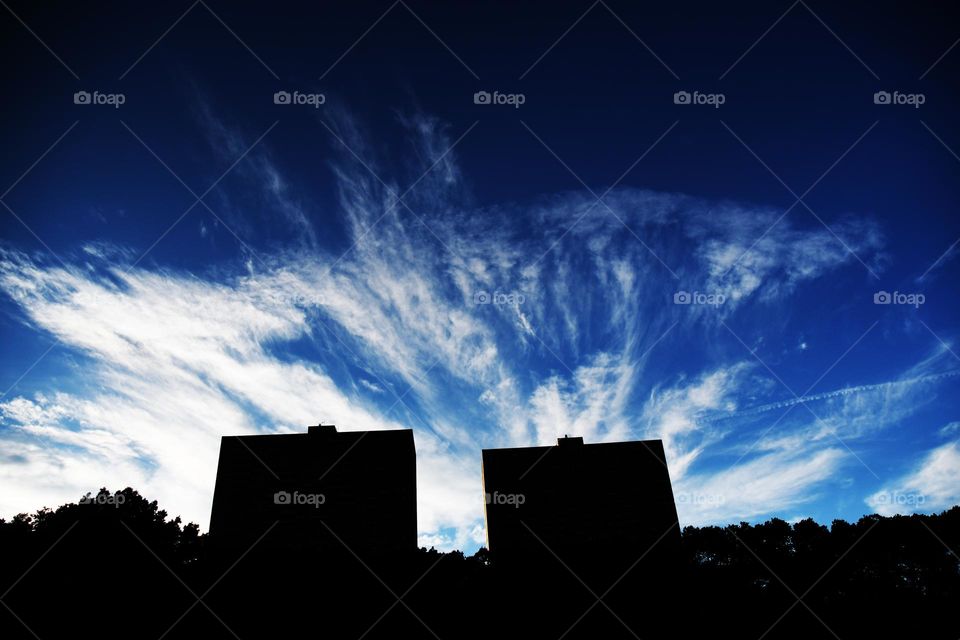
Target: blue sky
[(601, 260)]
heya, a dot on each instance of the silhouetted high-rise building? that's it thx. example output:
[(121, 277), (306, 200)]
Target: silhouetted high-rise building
[(575, 499), (323, 490)]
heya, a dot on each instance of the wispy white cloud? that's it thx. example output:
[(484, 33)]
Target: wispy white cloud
[(779, 478), (749, 252), (762, 485), (673, 414), (934, 484), (263, 193), (950, 429), (371, 386), (730, 462)]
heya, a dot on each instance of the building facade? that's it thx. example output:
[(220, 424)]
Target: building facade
[(321, 491), (575, 500)]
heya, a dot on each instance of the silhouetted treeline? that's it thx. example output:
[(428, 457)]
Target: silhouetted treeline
[(115, 565)]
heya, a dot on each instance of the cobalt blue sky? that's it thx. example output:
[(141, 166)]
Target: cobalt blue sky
[(730, 227)]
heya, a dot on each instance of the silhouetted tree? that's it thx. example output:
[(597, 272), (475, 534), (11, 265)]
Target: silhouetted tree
[(116, 565)]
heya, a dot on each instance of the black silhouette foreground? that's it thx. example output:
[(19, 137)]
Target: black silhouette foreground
[(316, 533), (114, 565)]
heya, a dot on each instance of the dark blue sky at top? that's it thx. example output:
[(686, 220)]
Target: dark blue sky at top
[(799, 98), (599, 99)]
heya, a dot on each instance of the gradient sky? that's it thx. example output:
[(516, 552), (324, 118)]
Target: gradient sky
[(200, 261)]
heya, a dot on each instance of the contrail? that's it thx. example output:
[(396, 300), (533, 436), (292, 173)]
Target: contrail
[(826, 395)]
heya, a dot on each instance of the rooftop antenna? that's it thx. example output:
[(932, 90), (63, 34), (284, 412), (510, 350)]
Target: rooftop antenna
[(322, 427)]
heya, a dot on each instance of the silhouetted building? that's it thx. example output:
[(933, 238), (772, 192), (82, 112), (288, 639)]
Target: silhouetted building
[(358, 486), (575, 499)]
